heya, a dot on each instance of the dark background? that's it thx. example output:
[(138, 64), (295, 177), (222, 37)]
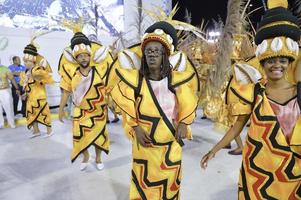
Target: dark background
[(213, 9)]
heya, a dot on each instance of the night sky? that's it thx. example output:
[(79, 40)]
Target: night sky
[(208, 9)]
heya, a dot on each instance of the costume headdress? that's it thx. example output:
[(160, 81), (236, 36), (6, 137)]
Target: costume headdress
[(31, 50), (80, 44), (278, 32), (162, 32)]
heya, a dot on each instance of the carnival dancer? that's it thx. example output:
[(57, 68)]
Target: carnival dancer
[(271, 165), (158, 106), (83, 71), (34, 80)]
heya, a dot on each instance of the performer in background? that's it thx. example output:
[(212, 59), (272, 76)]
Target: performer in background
[(34, 80), (83, 67)]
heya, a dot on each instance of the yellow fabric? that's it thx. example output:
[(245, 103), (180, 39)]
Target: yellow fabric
[(130, 76), (113, 78), (284, 51), (270, 168), (37, 108), (277, 3), (89, 119), (277, 23), (187, 100), (163, 160), (39, 60), (64, 84), (240, 98), (126, 98), (295, 142)]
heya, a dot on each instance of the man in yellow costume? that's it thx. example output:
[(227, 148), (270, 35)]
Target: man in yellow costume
[(158, 105), (34, 80), (85, 82)]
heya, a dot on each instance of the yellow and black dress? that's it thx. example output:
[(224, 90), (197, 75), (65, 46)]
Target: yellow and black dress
[(34, 82), (156, 171), (271, 166), (89, 119)]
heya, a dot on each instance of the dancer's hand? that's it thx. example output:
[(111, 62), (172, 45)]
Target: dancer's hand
[(206, 158), (181, 131), (142, 137), (61, 115), (18, 92), (24, 96)]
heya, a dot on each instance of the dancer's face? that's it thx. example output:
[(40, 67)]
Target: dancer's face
[(275, 68), (83, 59), (153, 53), (28, 63)]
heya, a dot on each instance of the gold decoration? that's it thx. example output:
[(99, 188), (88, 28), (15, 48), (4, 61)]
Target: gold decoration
[(277, 3)]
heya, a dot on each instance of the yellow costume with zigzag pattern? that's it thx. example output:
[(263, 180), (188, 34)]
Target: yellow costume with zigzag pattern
[(34, 82), (89, 117), (156, 171), (271, 167)]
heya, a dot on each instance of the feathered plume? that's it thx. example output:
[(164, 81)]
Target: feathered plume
[(160, 15), (232, 26), (72, 25), (38, 33)]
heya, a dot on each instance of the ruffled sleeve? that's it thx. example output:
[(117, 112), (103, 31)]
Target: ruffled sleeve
[(66, 72), (183, 85), (240, 98), (42, 75), (123, 94)]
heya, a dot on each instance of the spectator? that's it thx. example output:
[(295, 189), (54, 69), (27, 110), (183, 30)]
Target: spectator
[(5, 96), (16, 68)]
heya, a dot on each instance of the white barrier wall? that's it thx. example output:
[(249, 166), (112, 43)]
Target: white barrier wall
[(52, 44)]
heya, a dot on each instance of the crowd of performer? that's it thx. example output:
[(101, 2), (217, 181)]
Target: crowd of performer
[(157, 89)]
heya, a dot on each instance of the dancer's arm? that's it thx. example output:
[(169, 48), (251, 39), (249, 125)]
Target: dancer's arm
[(64, 99), (234, 131)]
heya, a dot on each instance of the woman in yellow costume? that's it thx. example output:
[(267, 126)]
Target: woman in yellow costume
[(271, 165), (158, 106), (34, 80), (83, 73)]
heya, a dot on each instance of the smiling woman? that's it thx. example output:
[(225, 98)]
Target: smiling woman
[(271, 164)]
